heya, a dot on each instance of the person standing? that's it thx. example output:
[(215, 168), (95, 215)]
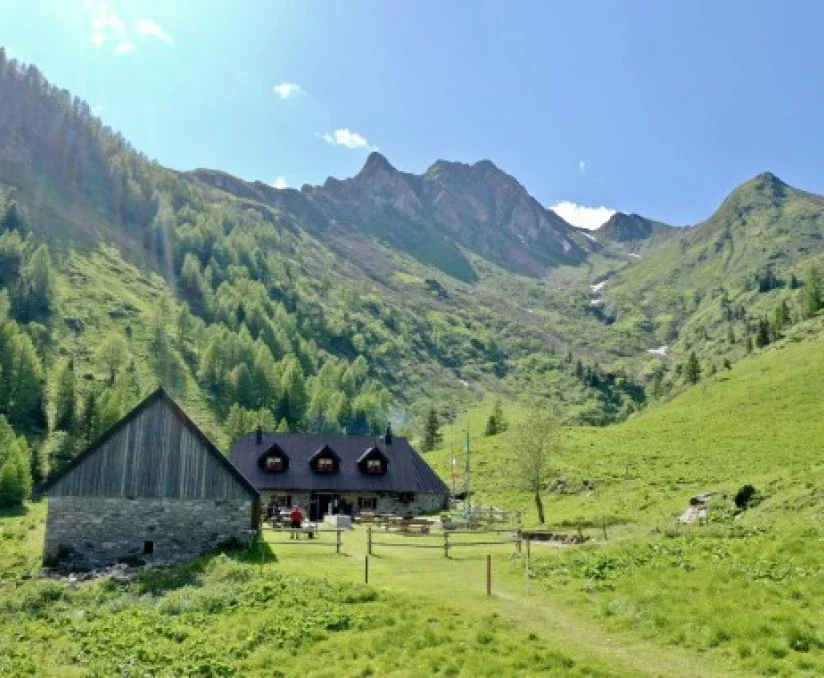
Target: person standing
[(296, 518)]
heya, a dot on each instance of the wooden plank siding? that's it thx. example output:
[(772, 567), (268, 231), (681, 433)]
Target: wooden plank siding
[(155, 453)]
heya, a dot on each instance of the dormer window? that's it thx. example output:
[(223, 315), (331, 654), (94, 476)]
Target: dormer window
[(273, 464), (374, 467), (373, 462), (325, 460), (274, 460), (326, 465)]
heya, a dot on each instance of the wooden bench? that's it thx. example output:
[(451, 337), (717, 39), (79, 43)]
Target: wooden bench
[(404, 525)]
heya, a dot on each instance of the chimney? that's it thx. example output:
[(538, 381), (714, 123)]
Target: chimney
[(259, 435), (387, 438)]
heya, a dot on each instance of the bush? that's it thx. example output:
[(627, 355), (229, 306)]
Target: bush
[(744, 496)]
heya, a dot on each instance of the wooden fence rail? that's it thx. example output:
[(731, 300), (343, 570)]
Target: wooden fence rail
[(310, 533), (447, 544)]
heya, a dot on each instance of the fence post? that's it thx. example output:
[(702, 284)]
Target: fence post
[(366, 569), (369, 541), (338, 542), (446, 544), (488, 575), (518, 541), (526, 572), (605, 528)]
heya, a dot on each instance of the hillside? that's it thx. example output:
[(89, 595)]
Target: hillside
[(340, 306), (301, 309), (743, 588)]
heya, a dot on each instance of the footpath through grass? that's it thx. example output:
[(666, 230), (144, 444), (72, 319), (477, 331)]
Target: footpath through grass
[(745, 590), (304, 611), (460, 581)]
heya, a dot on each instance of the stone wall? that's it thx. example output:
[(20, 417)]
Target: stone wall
[(388, 503), (422, 503), (98, 531)]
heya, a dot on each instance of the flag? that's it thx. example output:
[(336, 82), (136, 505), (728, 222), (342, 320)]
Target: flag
[(454, 468)]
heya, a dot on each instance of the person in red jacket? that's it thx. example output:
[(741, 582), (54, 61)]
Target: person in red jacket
[(296, 516)]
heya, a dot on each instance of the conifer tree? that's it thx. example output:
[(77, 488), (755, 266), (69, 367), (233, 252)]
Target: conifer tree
[(34, 290), (692, 371), (15, 470), (812, 296), (64, 400), (431, 431)]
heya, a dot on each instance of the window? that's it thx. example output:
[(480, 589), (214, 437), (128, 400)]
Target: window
[(406, 497), (274, 460), (367, 503), (148, 548), (273, 464), (326, 465), (374, 466)]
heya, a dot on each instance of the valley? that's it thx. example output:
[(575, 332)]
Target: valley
[(678, 362)]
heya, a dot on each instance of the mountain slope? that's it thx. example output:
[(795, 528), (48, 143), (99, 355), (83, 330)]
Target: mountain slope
[(435, 217), (252, 304)]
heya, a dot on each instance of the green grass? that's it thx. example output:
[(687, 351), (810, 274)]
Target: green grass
[(748, 589), (301, 610), (741, 595)]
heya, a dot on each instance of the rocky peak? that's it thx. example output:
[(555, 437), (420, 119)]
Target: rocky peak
[(375, 165)]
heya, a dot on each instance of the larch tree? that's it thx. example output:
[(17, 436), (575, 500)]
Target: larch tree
[(812, 296)]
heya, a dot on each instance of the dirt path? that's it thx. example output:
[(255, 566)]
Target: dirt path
[(461, 582)]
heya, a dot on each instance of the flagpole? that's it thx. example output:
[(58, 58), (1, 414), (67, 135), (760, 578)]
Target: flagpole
[(468, 474)]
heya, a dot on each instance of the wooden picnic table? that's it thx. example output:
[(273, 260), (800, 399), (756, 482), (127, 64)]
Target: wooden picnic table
[(409, 525)]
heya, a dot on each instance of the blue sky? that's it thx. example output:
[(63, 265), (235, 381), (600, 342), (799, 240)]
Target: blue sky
[(655, 107)]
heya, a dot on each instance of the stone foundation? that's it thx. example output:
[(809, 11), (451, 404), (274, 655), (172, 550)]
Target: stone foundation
[(99, 531)]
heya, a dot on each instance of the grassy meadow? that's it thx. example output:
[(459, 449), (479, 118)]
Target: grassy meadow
[(741, 595), (745, 588)]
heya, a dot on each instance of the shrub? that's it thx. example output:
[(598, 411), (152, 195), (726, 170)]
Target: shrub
[(744, 496)]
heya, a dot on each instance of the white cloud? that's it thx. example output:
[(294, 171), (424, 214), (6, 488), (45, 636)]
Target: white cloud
[(280, 182), (582, 166), (154, 30), (589, 218), (288, 89), (104, 22), (348, 138), (108, 27)]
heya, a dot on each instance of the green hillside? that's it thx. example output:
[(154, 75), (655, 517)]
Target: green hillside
[(746, 587), (258, 305)]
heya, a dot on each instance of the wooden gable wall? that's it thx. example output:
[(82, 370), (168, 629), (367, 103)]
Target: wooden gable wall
[(154, 454)]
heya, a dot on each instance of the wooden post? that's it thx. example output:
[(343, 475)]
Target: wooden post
[(369, 541), (338, 542), (518, 541), (366, 570), (488, 575), (446, 544), (526, 571), (604, 525), (527, 549)]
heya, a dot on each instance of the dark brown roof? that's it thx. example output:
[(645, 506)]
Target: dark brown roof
[(159, 394), (406, 470)]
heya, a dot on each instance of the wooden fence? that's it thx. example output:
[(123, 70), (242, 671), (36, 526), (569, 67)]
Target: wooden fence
[(446, 544), (311, 534)]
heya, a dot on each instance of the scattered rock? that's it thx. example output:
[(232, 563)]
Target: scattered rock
[(693, 513), (120, 572), (700, 499)]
